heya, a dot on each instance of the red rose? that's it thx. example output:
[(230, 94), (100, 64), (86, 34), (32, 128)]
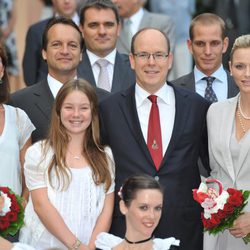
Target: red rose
[(4, 223), (12, 216), (212, 222), (235, 200), (4, 190), (228, 208), (215, 219), (15, 206), (12, 197), (221, 214), (233, 191)]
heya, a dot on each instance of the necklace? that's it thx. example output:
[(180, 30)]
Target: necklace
[(138, 242), (241, 112), (241, 122), (76, 157)]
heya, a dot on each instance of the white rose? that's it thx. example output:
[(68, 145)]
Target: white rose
[(6, 204)]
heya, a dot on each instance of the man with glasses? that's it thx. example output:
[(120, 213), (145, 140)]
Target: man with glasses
[(160, 130)]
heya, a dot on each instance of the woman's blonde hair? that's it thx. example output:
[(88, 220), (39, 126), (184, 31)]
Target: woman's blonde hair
[(58, 139), (242, 42)]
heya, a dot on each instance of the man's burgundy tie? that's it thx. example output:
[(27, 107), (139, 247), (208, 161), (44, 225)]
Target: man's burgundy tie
[(154, 140)]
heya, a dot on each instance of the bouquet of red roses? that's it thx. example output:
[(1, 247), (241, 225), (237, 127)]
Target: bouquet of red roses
[(11, 212), (221, 207)]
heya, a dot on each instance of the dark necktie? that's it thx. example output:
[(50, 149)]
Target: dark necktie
[(209, 92), (154, 140)]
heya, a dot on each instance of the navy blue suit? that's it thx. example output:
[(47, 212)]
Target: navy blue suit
[(123, 74), (178, 173)]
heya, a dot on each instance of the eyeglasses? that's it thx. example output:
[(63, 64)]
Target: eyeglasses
[(158, 56)]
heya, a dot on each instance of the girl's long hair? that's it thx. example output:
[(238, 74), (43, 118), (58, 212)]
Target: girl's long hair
[(58, 139)]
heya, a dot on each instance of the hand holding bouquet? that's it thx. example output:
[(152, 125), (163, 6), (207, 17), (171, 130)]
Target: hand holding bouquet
[(11, 212), (221, 207)]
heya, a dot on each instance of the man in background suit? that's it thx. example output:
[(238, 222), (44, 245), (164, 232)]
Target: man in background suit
[(133, 12), (62, 46), (207, 44), (125, 120), (100, 26), (35, 67)]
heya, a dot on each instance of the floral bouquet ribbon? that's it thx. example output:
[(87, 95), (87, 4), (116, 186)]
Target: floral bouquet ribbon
[(11, 212), (221, 207)]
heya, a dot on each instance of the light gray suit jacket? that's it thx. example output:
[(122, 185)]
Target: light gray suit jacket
[(220, 125), (150, 20)]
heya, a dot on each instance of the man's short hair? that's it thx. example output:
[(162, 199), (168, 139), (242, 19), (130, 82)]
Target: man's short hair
[(207, 19), (59, 20), (99, 4)]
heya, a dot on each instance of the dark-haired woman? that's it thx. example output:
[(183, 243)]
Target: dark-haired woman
[(141, 203)]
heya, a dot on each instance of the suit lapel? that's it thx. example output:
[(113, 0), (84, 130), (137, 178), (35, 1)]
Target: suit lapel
[(84, 69), (146, 20), (44, 99), (189, 82), (128, 107), (181, 115), (225, 136), (120, 71), (122, 40)]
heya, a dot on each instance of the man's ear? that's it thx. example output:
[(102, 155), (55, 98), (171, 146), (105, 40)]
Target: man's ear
[(44, 54), (189, 44), (81, 29)]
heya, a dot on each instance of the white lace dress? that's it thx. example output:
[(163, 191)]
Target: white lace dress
[(106, 241), (79, 205)]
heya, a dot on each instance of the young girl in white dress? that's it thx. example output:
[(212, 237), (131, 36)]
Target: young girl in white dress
[(141, 203), (70, 176)]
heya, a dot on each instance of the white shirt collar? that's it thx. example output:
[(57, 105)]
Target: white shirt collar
[(220, 74), (141, 94), (54, 85), (136, 20), (93, 57)]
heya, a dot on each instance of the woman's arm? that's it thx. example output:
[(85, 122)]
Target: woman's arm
[(51, 219), (104, 220), (25, 191)]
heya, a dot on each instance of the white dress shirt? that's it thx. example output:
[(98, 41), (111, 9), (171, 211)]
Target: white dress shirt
[(96, 69), (135, 21), (166, 105), (54, 85), (219, 86)]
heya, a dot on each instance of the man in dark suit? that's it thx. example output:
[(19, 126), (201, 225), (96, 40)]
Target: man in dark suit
[(126, 125), (100, 25), (35, 67), (207, 44), (62, 46)]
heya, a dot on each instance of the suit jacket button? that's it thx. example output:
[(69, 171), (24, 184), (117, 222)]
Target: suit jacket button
[(157, 178)]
